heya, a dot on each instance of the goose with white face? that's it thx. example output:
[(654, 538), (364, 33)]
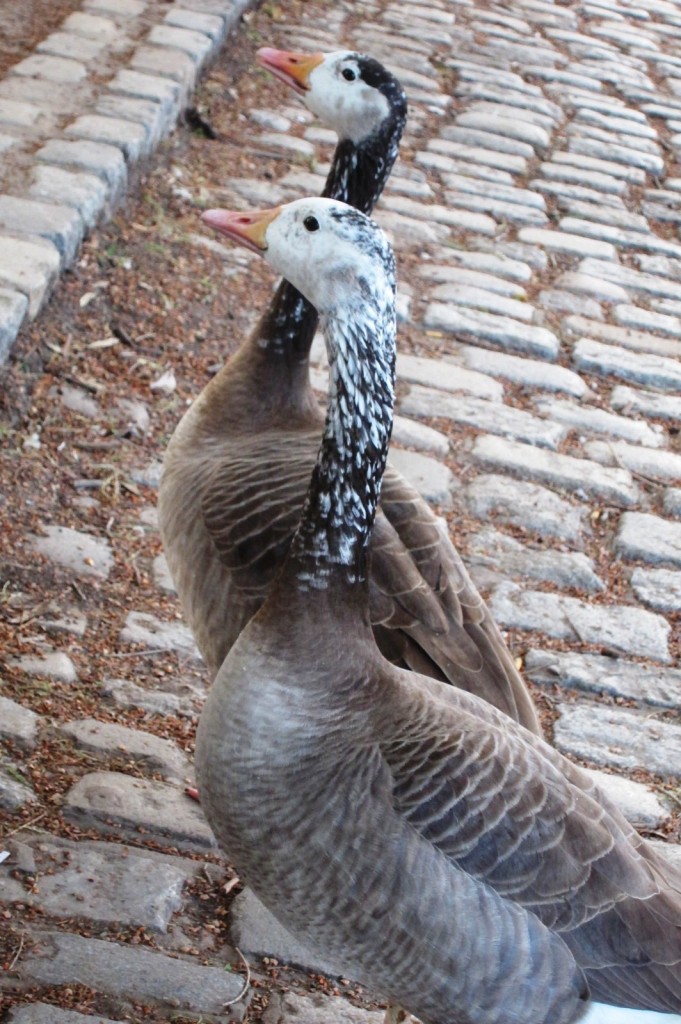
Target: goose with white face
[(334, 255), (350, 92)]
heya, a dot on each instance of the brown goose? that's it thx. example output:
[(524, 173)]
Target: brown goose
[(440, 854), (236, 469)]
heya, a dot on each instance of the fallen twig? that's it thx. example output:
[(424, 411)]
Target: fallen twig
[(247, 981)]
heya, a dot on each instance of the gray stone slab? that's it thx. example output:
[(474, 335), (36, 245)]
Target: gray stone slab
[(155, 634), (647, 320), (598, 421), (435, 373), (122, 805), (20, 114), (92, 26), (81, 553), (13, 309), (583, 178), (29, 267), (622, 238), (494, 556), (569, 244), (128, 972), (408, 433), (525, 505), (54, 665), (85, 193), (468, 295), (55, 100), (14, 794), (658, 588), (490, 140), (45, 1013), (648, 538), (196, 44), (624, 337), (409, 232), (637, 802), (438, 214), (68, 44), (620, 627), (431, 478), (60, 224), (648, 462), (598, 674), (207, 24), (613, 361), (562, 301), (18, 724), (257, 932), (156, 702), (147, 114), (448, 274), (507, 193), (619, 738), (121, 10), (493, 417), (651, 163), (503, 266), (110, 739), (505, 212), (165, 93), (166, 62), (531, 373), (53, 69), (672, 502), (588, 285), (474, 154), (129, 136), (582, 477), (501, 331), (317, 1008), (635, 280), (107, 162)]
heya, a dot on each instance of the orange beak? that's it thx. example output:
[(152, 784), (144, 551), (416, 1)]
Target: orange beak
[(248, 229), (293, 68)]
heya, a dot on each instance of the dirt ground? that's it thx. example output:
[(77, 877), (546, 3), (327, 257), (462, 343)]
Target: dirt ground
[(24, 23)]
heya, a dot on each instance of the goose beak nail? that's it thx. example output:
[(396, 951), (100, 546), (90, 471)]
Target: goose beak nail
[(246, 228), (293, 68)]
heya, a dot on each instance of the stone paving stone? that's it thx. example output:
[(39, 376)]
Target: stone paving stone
[(525, 505), (598, 674), (121, 805), (316, 1008), (165, 93), (437, 374), (488, 263), (162, 577), (109, 739), (166, 62), (510, 127), (156, 702), (528, 372), (29, 267), (672, 502), (153, 633), (256, 932), (127, 972), (479, 298), (70, 621), (55, 665), (658, 588), (474, 154), (586, 284), (643, 461), (501, 331), (489, 140), (619, 738), (639, 804), (81, 553), (408, 433), (622, 336), (652, 163), (647, 284), (59, 224), (23, 115), (570, 244), (511, 212), (85, 193), (612, 360), (439, 274), (439, 214), (66, 44), (494, 556), (122, 9), (583, 177), (431, 478), (98, 158), (410, 232), (45, 1013), (510, 194), (195, 44), (560, 301), (13, 794), (600, 232), (648, 538), (584, 478), (13, 309), (92, 26), (597, 421), (621, 627), (493, 417), (602, 214), (129, 136), (53, 69), (18, 724), (647, 320)]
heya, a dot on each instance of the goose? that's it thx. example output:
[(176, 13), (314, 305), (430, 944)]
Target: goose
[(428, 847), (236, 469)]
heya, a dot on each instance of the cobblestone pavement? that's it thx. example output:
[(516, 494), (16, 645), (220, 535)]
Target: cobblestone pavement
[(535, 212)]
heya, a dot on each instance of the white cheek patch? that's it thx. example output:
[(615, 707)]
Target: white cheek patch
[(352, 109)]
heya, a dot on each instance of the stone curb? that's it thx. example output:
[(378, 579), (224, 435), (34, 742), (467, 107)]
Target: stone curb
[(75, 176)]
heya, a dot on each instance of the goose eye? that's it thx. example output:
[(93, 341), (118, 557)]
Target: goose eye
[(311, 224), (349, 75)]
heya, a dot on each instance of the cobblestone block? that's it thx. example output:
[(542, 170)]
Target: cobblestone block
[(85, 193), (622, 628), (431, 478), (487, 140), (638, 803), (560, 301), (165, 62), (105, 161), (55, 100), (109, 739), (651, 163), (479, 298), (122, 10), (195, 44), (162, 91), (162, 577), (129, 136), (672, 502), (583, 177), (639, 341), (439, 274), (494, 556), (570, 244), (128, 972), (146, 113), (586, 284), (28, 267), (408, 433), (206, 24), (580, 476), (256, 932), (493, 417), (513, 213), (45, 1013), (23, 115), (501, 331), (508, 127), (119, 804), (18, 724), (437, 374), (53, 69), (59, 224), (75, 47), (597, 421), (410, 232), (316, 1008), (598, 674), (54, 665), (644, 461), (13, 794), (439, 214), (636, 280), (624, 239), (659, 589), (612, 361), (153, 633), (647, 320), (473, 154), (81, 553), (127, 694), (648, 538), (565, 194), (531, 373), (524, 505), (13, 308), (601, 213), (619, 738), (92, 26)]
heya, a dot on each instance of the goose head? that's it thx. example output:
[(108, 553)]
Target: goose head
[(337, 257), (348, 91)]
